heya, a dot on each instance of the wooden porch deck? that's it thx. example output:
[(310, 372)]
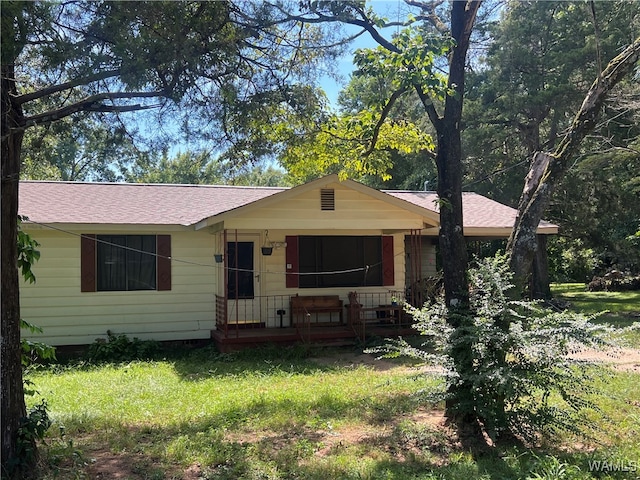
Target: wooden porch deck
[(311, 335)]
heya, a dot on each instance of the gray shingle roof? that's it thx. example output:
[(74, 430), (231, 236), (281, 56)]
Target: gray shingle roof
[(162, 204), (133, 204)]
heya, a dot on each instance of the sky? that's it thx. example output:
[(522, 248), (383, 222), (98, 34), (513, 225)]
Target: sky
[(393, 10)]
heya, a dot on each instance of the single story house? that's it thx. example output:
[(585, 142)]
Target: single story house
[(325, 260)]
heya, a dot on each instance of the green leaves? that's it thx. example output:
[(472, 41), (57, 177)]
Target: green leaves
[(412, 63), (28, 253), (343, 145), (524, 378)]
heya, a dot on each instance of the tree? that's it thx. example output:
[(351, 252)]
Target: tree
[(547, 169), (88, 58), (409, 62), (542, 57), (202, 168), (68, 150), (187, 167)]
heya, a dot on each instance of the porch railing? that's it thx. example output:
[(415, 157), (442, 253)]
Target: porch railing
[(379, 310), (259, 312), (361, 313)]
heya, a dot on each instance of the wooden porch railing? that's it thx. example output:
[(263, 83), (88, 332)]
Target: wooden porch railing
[(362, 312), (381, 309)]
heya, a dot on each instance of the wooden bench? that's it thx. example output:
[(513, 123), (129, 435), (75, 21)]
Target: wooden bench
[(301, 306)]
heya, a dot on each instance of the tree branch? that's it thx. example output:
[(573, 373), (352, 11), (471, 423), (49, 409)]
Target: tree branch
[(431, 16), (383, 116), (363, 23), (91, 104), (28, 97), (429, 107), (586, 117)]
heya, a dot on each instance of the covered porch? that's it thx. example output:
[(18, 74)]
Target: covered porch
[(310, 319)]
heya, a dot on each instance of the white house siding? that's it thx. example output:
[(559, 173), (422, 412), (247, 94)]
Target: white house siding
[(71, 317), (355, 214)]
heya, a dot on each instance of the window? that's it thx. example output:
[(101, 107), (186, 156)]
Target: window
[(125, 262), (240, 270), (356, 261)]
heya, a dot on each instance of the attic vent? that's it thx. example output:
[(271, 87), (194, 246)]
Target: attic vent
[(327, 199)]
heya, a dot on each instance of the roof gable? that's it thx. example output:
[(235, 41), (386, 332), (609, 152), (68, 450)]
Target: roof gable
[(288, 199)]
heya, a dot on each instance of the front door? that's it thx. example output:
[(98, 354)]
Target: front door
[(243, 305)]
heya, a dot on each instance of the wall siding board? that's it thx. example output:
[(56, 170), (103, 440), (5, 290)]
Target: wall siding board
[(56, 303)]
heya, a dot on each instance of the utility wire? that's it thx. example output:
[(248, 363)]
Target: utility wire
[(497, 172)]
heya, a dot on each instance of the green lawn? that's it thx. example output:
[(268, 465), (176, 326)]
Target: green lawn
[(592, 302), (623, 308), (259, 416)]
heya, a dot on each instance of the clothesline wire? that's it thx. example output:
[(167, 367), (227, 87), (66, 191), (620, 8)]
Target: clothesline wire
[(364, 269)]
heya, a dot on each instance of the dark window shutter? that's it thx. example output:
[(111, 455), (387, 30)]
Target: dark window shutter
[(388, 274), (88, 262), (163, 250), (292, 277)]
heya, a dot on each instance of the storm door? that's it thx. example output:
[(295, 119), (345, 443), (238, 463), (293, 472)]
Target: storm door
[(243, 304)]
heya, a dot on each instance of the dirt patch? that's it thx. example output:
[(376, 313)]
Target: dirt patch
[(355, 360), (622, 359), (104, 464)]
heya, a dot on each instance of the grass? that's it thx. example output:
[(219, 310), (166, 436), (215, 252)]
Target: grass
[(623, 308), (266, 415), (593, 302)]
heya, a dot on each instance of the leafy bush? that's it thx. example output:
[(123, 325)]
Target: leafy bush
[(119, 348), (571, 261), (525, 382)]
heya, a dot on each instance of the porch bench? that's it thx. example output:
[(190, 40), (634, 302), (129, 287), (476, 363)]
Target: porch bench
[(314, 305)]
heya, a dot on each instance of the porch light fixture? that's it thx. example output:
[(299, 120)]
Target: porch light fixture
[(217, 257), (267, 248)]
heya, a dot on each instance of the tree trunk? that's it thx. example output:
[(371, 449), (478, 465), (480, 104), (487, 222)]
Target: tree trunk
[(12, 392), (540, 289), (453, 246), (548, 169)]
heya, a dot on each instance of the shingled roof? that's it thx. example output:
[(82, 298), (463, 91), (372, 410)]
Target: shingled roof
[(132, 203), (478, 211), (52, 202)]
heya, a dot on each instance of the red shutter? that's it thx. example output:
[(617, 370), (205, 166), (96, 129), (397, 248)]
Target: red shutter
[(163, 250), (388, 274), (292, 277), (88, 262)]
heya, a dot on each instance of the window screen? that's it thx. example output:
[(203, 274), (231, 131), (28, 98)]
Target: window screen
[(340, 261)]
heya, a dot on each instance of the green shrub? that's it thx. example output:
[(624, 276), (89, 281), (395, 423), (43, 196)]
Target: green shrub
[(525, 382), (119, 348), (571, 261)]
